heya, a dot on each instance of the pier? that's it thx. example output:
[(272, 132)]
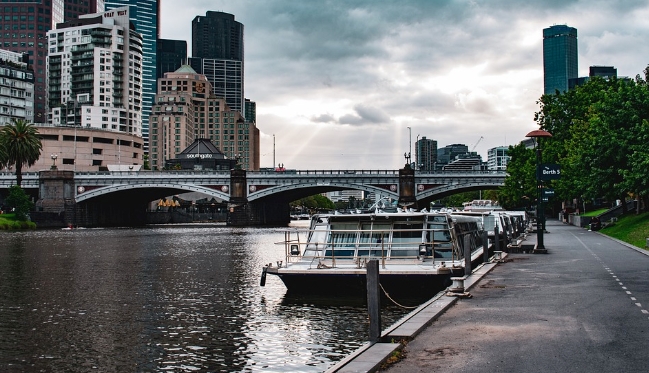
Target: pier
[(582, 307)]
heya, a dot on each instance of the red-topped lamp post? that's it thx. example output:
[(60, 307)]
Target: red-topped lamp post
[(536, 135)]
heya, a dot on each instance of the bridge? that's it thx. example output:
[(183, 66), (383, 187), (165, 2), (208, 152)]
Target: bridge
[(261, 197)]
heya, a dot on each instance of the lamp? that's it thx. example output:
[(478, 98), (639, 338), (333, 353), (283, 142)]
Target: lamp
[(536, 135), (53, 156)]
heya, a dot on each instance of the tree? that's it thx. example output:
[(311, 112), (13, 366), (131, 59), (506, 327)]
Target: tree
[(22, 146), (520, 185), (19, 201), (599, 135)]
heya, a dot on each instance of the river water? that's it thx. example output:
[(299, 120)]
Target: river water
[(164, 299)]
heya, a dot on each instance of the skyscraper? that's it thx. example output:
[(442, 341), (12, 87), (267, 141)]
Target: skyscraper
[(217, 53), (425, 154), (172, 54), (25, 24), (145, 15), (559, 57)]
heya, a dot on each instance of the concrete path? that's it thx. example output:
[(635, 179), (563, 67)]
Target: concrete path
[(583, 307)]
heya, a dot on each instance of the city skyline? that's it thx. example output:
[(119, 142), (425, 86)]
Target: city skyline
[(338, 83)]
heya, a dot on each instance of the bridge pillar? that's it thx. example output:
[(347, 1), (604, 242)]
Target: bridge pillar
[(259, 213), (56, 204), (407, 195)]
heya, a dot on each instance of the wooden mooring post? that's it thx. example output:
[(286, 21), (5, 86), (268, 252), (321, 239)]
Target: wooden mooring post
[(485, 247), (467, 255), (374, 300)]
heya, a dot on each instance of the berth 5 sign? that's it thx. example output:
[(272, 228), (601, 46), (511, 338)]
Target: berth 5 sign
[(548, 171)]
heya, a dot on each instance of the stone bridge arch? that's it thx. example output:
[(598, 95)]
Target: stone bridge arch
[(301, 190), (82, 194)]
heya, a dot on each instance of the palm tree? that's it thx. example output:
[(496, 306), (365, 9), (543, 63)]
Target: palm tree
[(22, 145)]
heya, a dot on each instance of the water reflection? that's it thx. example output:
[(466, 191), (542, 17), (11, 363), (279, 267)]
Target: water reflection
[(177, 299)]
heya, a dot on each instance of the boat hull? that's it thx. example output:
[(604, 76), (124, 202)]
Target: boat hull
[(333, 283)]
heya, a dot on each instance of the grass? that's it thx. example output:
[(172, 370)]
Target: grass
[(631, 228), (594, 212), (9, 222)]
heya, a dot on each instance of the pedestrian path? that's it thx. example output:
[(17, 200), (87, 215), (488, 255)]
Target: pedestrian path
[(583, 307)]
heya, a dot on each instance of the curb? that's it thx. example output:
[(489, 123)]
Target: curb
[(370, 357)]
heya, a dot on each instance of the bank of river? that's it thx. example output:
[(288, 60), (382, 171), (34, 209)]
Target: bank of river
[(175, 299)]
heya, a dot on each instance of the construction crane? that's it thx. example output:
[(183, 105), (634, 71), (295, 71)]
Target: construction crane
[(477, 142)]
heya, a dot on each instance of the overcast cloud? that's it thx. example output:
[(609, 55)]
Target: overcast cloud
[(339, 82)]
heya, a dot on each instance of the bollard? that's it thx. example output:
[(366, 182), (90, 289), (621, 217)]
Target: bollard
[(498, 255), (374, 300), (458, 284), (496, 239)]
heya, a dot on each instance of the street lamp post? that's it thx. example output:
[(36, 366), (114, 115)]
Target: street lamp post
[(53, 156), (536, 135)]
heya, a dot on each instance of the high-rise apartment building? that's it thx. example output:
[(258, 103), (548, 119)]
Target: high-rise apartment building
[(24, 28), (16, 88), (145, 15), (425, 154), (185, 109), (559, 58), (94, 69), (217, 53), (172, 54)]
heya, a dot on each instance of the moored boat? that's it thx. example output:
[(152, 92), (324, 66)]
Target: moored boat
[(418, 252)]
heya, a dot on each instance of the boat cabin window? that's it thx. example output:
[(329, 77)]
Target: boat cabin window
[(343, 239), (406, 238), (440, 236), (373, 239)]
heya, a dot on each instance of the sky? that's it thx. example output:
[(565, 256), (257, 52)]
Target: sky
[(352, 84)]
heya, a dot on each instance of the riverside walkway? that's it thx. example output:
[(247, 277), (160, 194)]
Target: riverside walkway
[(583, 307)]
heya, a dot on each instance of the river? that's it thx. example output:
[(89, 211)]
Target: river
[(164, 299)]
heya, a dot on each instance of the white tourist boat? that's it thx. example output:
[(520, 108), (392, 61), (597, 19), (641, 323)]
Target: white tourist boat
[(418, 252)]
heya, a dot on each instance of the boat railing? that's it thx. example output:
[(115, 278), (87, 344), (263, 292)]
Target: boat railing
[(357, 247)]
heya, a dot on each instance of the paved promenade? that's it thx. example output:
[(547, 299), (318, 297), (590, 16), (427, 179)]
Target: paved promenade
[(583, 307)]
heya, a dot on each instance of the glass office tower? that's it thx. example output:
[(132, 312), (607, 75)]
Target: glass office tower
[(559, 57), (217, 52)]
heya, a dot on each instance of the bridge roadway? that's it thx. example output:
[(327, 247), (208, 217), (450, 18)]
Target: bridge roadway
[(291, 184)]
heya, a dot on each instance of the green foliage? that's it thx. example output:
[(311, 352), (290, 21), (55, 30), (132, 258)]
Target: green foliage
[(21, 144), (520, 184), (19, 201), (9, 222), (317, 201), (600, 132), (456, 200)]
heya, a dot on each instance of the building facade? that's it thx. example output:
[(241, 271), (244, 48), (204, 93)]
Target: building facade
[(16, 88), (497, 158), (95, 73), (172, 54), (449, 153), (24, 29), (186, 110), (88, 149), (425, 154), (560, 60), (145, 15), (218, 53)]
